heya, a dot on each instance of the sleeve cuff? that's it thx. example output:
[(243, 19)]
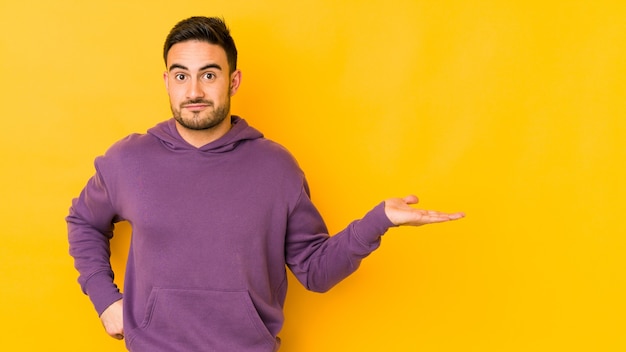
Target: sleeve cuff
[(373, 225), (102, 291)]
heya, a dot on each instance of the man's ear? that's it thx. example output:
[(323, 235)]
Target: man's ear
[(165, 76), (235, 81)]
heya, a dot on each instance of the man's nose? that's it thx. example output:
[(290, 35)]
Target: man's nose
[(194, 90)]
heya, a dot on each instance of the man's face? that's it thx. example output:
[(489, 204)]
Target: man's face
[(199, 84)]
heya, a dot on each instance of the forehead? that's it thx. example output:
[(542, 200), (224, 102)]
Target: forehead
[(194, 54)]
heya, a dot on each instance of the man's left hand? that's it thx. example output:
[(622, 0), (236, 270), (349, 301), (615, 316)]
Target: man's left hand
[(400, 213)]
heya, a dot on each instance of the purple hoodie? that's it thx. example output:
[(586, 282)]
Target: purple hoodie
[(213, 230)]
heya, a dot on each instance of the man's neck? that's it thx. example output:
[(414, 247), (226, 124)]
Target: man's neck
[(199, 138)]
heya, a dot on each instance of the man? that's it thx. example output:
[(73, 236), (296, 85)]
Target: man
[(217, 212)]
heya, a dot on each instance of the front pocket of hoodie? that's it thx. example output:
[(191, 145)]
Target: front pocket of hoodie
[(204, 320)]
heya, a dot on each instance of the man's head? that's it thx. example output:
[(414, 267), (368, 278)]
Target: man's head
[(212, 30), (201, 75)]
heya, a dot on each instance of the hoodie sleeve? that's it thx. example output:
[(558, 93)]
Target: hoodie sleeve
[(319, 260), (90, 227)]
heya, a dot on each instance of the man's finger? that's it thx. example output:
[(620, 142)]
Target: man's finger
[(411, 199)]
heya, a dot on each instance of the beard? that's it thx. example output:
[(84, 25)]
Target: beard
[(202, 120)]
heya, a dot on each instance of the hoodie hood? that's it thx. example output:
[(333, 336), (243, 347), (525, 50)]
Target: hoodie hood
[(240, 131)]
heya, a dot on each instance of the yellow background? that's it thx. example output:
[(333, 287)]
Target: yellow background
[(512, 111)]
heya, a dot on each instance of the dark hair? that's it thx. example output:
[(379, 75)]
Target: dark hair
[(206, 29)]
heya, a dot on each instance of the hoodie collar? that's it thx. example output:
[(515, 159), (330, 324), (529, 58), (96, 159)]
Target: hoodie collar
[(240, 131)]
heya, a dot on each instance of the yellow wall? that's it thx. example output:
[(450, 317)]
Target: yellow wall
[(512, 111)]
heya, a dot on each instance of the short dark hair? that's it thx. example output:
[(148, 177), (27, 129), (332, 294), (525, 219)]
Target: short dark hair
[(212, 30)]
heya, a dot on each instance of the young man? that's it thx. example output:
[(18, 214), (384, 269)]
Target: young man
[(217, 212)]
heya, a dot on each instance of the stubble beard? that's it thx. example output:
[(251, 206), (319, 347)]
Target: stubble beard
[(202, 120)]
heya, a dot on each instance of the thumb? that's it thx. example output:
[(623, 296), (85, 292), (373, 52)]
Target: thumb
[(411, 199)]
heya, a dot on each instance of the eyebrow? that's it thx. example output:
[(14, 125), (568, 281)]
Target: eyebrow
[(205, 67)]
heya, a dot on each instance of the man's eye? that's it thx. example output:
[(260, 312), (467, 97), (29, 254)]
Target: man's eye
[(209, 75), (179, 77)]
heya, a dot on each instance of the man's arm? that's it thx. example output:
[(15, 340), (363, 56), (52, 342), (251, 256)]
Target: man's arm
[(320, 261), (90, 227)]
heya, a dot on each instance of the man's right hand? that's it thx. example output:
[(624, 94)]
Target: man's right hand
[(113, 321)]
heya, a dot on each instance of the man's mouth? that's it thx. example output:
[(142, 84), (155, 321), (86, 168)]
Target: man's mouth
[(196, 106)]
